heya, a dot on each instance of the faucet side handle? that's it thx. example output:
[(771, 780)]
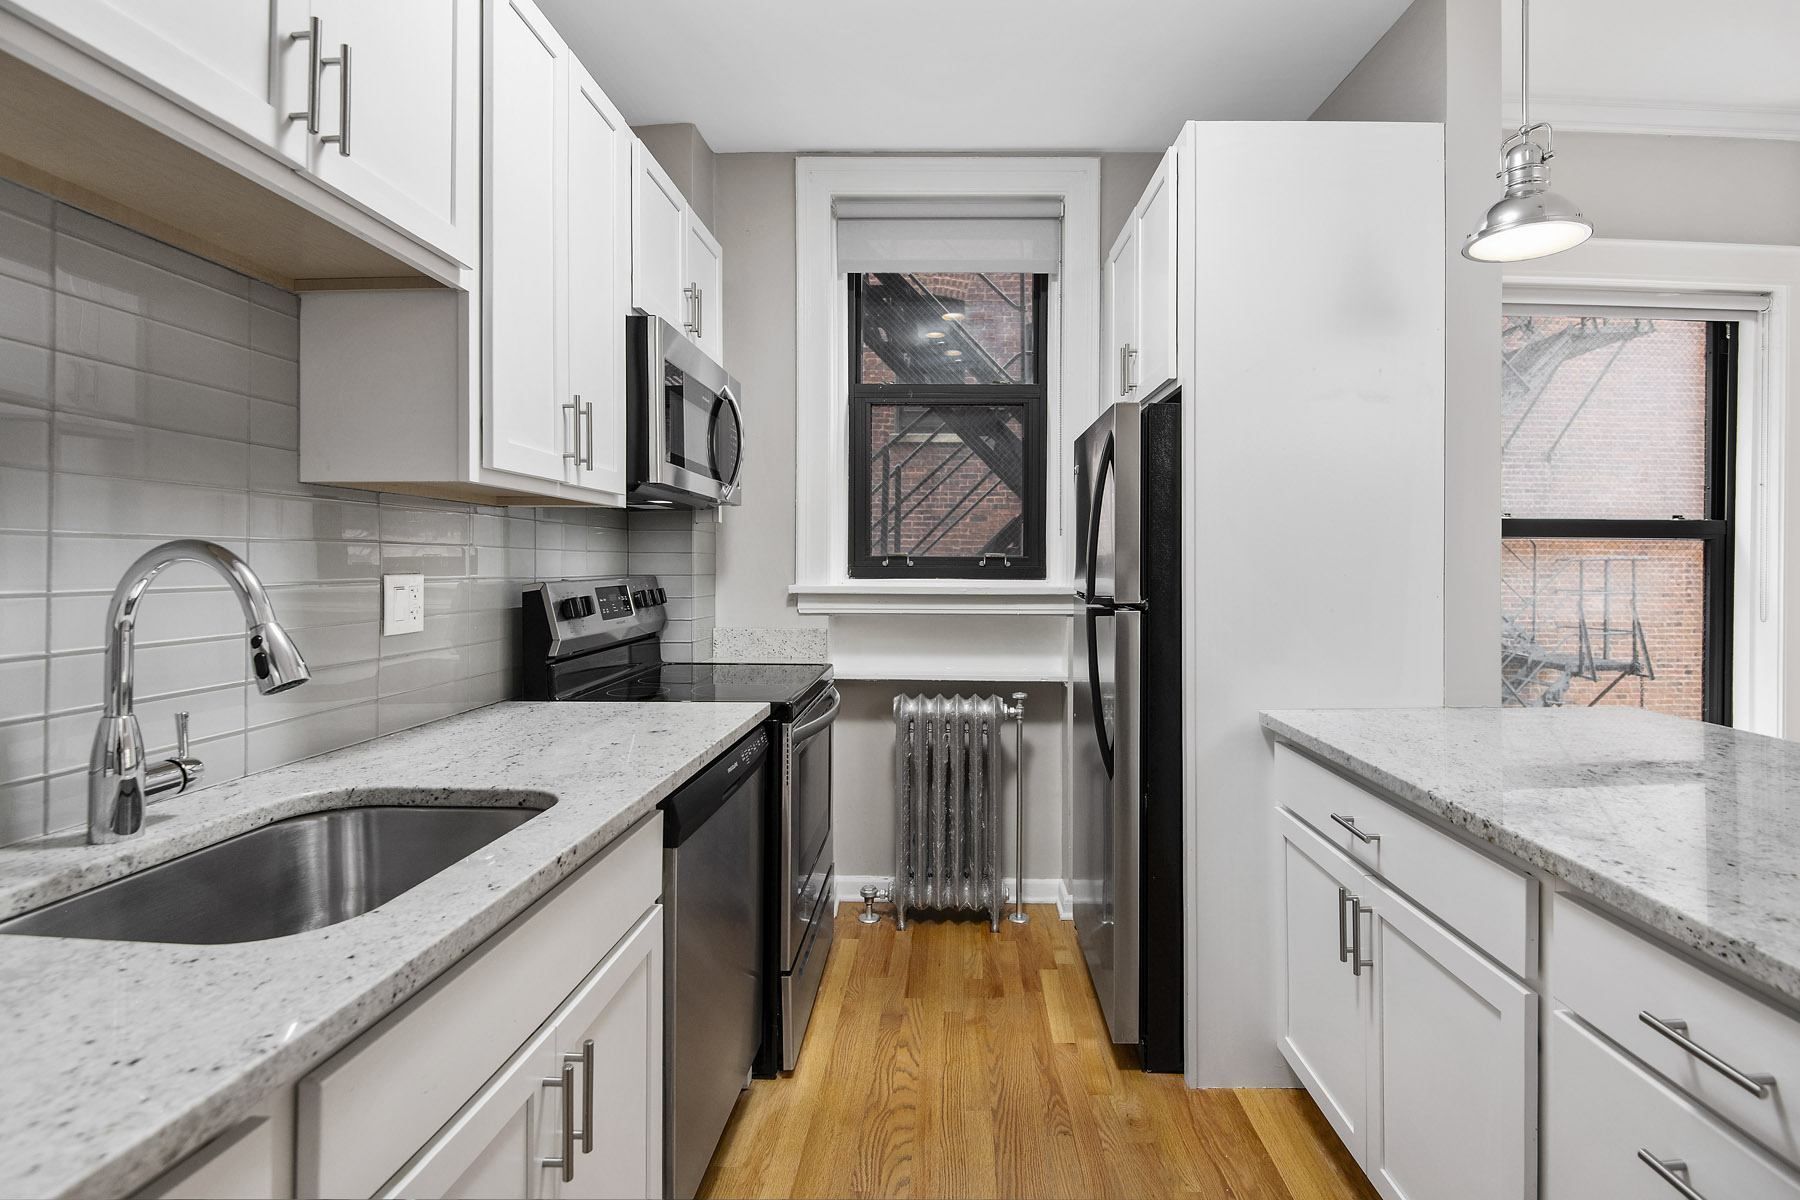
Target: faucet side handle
[(179, 773)]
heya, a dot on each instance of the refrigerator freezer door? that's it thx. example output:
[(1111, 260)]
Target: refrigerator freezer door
[(1108, 507), (1107, 833)]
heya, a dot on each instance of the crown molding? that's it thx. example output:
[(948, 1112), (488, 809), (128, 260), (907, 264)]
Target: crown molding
[(1603, 115)]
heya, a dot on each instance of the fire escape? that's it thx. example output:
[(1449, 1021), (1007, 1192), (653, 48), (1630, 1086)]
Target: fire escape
[(895, 307), (1542, 652)]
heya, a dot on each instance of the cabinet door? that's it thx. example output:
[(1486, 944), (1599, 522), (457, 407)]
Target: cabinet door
[(1121, 311), (232, 62), (615, 1021), (658, 229), (1452, 1065), (1323, 1000), (1155, 221), (704, 270), (501, 1143), (599, 273), (405, 109), (527, 428)]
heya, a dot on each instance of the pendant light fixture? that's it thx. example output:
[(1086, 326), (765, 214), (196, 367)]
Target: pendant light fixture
[(1530, 220)]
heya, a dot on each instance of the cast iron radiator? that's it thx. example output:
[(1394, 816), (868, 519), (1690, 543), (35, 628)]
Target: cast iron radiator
[(947, 774)]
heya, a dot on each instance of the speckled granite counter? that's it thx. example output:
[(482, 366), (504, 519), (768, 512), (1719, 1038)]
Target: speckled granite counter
[(1690, 828), (121, 1058)]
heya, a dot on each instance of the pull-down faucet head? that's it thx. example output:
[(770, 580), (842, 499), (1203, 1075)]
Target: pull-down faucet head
[(119, 781)]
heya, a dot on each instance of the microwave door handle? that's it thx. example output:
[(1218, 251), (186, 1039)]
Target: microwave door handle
[(730, 487)]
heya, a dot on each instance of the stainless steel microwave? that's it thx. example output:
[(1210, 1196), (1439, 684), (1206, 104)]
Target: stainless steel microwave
[(684, 428)]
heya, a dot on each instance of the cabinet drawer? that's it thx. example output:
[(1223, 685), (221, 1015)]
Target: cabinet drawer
[(1611, 977), (367, 1110), (1482, 899), (1601, 1109)]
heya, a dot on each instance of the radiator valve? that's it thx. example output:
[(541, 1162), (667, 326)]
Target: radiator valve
[(870, 895)]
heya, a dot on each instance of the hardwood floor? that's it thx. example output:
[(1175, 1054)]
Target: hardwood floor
[(947, 1061)]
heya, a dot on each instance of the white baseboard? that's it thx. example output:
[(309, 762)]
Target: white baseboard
[(1065, 900), (1037, 891)]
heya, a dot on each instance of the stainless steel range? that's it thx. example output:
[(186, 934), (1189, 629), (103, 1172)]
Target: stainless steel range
[(597, 640)]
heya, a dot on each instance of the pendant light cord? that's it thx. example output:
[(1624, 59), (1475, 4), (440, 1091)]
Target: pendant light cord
[(1524, 64)]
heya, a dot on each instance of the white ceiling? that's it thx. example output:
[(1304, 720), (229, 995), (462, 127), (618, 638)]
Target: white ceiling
[(976, 75), (1668, 66)]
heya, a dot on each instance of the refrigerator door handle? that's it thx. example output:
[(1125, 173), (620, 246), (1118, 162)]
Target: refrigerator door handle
[(1102, 477), (1094, 613)]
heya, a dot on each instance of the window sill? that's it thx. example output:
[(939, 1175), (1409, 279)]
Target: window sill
[(937, 598)]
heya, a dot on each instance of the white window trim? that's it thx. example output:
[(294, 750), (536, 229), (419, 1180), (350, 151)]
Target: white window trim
[(1690, 275), (822, 582)]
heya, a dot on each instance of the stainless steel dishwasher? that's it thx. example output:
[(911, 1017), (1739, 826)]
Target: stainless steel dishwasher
[(712, 989)]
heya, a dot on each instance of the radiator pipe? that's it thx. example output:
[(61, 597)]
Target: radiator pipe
[(1016, 711)]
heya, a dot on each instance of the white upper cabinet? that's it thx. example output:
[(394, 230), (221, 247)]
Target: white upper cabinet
[(235, 63), (377, 102), (677, 268), (703, 268), (398, 115), (599, 273), (528, 430), (1155, 222), (1140, 293), (1121, 313), (658, 230)]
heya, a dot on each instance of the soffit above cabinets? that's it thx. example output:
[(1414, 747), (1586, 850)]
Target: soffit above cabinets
[(1019, 75)]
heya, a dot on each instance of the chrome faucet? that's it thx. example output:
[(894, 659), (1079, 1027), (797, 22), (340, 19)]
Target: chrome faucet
[(119, 781)]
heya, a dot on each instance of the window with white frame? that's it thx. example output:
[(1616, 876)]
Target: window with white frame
[(932, 371)]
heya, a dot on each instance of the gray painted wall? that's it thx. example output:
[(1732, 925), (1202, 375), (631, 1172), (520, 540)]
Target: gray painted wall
[(1441, 62), (1675, 188), (1122, 180)]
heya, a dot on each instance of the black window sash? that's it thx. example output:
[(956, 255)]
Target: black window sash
[(1031, 401), (1713, 531)]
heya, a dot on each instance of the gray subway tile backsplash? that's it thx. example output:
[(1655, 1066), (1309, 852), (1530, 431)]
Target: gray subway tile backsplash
[(146, 394)]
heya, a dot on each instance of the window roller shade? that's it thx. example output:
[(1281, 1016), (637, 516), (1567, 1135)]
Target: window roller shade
[(942, 235)]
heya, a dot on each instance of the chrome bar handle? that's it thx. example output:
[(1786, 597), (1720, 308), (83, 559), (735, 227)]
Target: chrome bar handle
[(1124, 368), (1677, 1031), (574, 453), (182, 747), (1358, 911), (567, 1084), (1131, 366), (587, 412), (312, 35), (586, 1061), (1367, 839), (1672, 1171), (1343, 926), (342, 136), (692, 292)]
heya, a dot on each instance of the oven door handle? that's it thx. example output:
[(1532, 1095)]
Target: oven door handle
[(816, 725)]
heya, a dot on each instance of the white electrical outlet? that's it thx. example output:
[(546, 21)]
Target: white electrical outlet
[(402, 604)]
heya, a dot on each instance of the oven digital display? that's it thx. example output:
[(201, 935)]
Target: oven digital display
[(614, 602)]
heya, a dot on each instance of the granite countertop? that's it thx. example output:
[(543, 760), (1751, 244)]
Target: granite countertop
[(121, 1058), (1690, 828)]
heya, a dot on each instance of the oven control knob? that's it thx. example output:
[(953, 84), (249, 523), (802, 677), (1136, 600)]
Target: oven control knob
[(662, 597), (573, 608), (640, 599)]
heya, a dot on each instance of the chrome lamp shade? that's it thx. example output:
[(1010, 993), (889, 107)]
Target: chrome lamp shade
[(1530, 220)]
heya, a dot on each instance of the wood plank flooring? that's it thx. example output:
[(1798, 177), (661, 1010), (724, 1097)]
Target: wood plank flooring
[(947, 1061)]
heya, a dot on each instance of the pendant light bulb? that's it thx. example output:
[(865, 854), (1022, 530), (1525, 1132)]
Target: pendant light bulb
[(1530, 220)]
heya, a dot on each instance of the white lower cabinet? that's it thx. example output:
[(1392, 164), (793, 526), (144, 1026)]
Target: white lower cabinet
[(510, 1140), (461, 1090), (1420, 1052), (1612, 1129), (1452, 1065)]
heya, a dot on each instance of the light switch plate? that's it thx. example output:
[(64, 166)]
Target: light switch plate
[(402, 604)]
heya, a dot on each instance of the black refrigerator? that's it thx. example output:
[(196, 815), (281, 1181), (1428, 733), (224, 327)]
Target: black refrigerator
[(1126, 682)]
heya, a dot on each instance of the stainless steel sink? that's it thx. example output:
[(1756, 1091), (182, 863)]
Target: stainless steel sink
[(301, 873)]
